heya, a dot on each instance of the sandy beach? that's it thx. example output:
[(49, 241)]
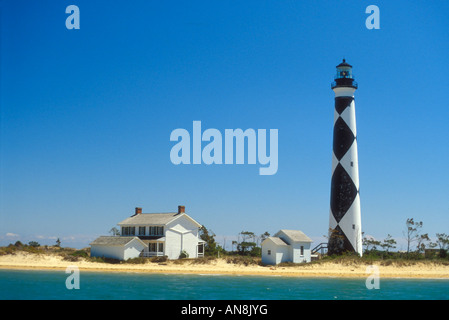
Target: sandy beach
[(30, 261)]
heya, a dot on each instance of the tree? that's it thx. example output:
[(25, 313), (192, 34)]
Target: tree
[(234, 244), (248, 243), (210, 248), (443, 243), (388, 243), (18, 244), (264, 236), (422, 239), (259, 239), (58, 243), (114, 231), (34, 244), (370, 243), (412, 232)]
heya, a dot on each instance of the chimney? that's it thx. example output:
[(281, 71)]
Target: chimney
[(181, 209), (138, 211)]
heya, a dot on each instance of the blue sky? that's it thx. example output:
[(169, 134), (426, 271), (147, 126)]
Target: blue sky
[(86, 115)]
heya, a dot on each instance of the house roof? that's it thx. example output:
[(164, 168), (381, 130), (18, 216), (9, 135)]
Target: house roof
[(149, 218), (114, 241), (295, 235), (155, 219)]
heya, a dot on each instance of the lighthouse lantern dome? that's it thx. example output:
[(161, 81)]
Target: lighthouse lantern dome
[(344, 70), (344, 76)]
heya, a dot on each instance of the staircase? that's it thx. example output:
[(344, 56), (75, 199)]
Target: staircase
[(322, 248)]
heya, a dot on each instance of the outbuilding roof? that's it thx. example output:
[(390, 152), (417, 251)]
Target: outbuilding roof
[(295, 235), (114, 241), (277, 241)]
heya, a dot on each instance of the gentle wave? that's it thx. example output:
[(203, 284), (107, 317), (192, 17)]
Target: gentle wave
[(50, 285)]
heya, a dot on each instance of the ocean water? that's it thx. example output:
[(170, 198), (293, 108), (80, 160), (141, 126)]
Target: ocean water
[(51, 285)]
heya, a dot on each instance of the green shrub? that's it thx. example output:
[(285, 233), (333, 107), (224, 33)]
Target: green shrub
[(245, 260), (7, 250), (181, 261), (183, 255), (138, 260), (34, 244), (31, 249), (204, 260), (18, 244), (96, 259), (158, 259), (71, 258), (80, 254), (103, 260)]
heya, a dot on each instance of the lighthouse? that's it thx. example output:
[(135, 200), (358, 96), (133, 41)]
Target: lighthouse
[(345, 226)]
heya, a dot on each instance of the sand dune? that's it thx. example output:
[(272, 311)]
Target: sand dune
[(23, 260)]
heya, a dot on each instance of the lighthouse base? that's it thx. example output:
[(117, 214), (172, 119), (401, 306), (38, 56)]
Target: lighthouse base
[(339, 243)]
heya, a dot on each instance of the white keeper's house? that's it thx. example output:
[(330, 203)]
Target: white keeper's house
[(150, 235), (286, 246)]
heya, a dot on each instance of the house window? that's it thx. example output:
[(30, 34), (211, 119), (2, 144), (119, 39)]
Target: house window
[(156, 247), (141, 231), (128, 231), (156, 231), (269, 252), (302, 250)]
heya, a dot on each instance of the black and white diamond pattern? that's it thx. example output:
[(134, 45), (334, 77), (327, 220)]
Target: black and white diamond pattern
[(345, 217)]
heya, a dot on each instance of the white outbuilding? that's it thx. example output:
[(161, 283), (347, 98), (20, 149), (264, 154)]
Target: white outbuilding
[(121, 248), (286, 246)]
